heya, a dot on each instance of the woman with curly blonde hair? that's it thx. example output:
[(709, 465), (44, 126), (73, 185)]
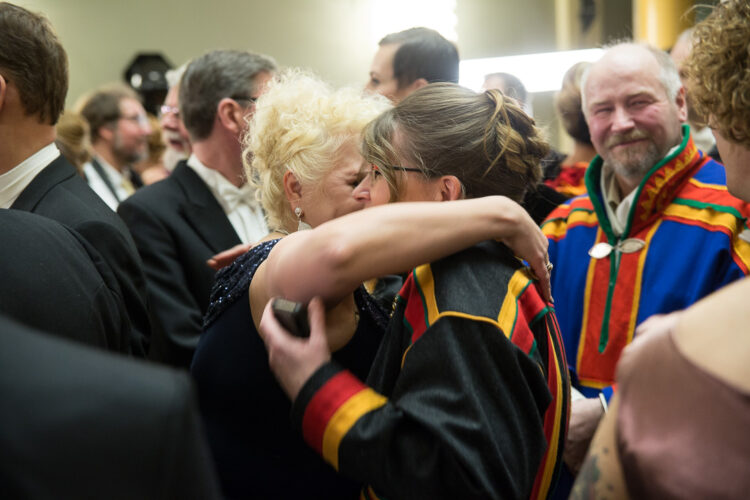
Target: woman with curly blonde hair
[(468, 396)]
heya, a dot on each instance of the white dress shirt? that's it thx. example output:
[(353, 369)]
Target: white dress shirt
[(14, 181), (121, 184), (239, 203)]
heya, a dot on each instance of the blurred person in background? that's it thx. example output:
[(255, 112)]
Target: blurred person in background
[(73, 139), (119, 130), (568, 176), (174, 133), (206, 205), (702, 134), (151, 169)]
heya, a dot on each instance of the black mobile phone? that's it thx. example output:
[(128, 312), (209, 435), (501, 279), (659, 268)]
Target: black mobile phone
[(292, 316)]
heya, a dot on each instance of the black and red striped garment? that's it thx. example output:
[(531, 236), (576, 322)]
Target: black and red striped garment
[(468, 396)]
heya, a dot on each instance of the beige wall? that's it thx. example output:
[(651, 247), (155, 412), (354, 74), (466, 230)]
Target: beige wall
[(333, 37)]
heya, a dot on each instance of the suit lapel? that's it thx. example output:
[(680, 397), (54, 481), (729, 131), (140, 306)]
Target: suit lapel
[(52, 175), (203, 212)]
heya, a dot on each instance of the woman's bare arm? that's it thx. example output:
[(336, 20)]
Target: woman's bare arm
[(333, 259)]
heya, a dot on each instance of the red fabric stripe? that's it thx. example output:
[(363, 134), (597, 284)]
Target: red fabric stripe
[(414, 314), (715, 196), (550, 416), (529, 305), (329, 398), (601, 366)]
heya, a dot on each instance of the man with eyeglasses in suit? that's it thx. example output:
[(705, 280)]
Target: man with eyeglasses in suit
[(119, 138), (205, 206)]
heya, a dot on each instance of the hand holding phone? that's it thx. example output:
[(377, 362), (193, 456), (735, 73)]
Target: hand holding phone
[(292, 316)]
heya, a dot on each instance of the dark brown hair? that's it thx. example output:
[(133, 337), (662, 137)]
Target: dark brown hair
[(32, 58), (422, 53), (102, 106), (485, 140)]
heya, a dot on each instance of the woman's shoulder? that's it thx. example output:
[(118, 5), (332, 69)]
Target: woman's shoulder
[(233, 281)]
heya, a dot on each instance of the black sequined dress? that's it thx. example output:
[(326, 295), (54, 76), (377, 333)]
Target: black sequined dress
[(246, 414)]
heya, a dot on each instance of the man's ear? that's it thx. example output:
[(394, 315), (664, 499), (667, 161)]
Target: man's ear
[(3, 91), (681, 102), (450, 188), (231, 115), (417, 84), (106, 133)]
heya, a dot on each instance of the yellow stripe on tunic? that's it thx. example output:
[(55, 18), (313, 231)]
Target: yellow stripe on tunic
[(344, 418)]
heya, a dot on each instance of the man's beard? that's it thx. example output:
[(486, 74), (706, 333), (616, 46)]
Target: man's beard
[(172, 157), (128, 156), (632, 162)]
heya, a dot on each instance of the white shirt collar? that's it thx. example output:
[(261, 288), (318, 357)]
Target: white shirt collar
[(238, 203), (227, 194), (14, 181)]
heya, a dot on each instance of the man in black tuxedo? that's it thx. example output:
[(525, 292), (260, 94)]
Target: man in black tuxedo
[(119, 131), (81, 423), (34, 177), (60, 285), (205, 206)]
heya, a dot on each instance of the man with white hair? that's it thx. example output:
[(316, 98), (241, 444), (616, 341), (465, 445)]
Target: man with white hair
[(174, 133), (656, 232)]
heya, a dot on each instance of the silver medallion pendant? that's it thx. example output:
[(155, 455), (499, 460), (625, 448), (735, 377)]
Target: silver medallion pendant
[(630, 245), (601, 250)]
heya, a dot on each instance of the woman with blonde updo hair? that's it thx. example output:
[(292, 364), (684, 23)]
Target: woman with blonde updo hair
[(301, 153), (569, 179), (468, 396)]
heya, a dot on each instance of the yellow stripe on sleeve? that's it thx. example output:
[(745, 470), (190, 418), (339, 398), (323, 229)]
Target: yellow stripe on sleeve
[(344, 418)]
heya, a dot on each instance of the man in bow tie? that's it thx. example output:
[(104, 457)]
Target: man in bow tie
[(205, 206), (655, 232)]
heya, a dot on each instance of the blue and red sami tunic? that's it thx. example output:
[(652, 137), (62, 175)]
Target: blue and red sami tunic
[(468, 396), (691, 227)]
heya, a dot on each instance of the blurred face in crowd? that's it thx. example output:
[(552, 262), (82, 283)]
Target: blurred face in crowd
[(174, 134), (382, 81), (332, 197), (632, 121), (130, 132), (679, 54)]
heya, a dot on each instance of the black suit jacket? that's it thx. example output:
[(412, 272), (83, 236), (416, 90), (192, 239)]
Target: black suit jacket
[(177, 225), (81, 423), (54, 281), (59, 193)]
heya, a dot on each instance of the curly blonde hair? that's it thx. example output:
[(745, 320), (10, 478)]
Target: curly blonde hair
[(485, 140), (719, 70), (299, 125)]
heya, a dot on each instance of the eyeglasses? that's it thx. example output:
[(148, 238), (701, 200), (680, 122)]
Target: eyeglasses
[(169, 110), (245, 98), (141, 120), (375, 170)]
